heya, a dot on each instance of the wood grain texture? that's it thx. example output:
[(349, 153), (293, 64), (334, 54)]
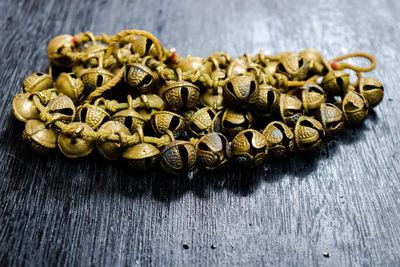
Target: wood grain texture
[(344, 199)]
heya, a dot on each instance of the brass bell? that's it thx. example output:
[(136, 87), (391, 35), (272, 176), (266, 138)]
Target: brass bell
[(161, 121), (271, 67), (149, 104), (204, 121), (180, 94), (294, 66), (76, 144), (249, 148), (24, 108), (61, 109), (58, 49), (140, 78), (355, 108), (122, 54), (42, 140), (234, 122), (111, 149), (239, 91), (331, 118), (92, 115), (94, 77), (70, 85), (314, 60), (267, 101), (179, 156), (280, 139), (144, 47), (130, 118), (213, 151), (194, 64), (237, 67), (336, 83), (372, 90), (141, 156), (215, 101), (36, 82), (308, 133), (312, 96), (92, 55), (291, 108)]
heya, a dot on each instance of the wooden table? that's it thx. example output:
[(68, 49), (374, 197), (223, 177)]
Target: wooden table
[(342, 200)]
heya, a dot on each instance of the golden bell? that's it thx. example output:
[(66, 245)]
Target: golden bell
[(140, 78), (215, 101), (294, 66), (204, 121), (92, 55), (122, 54), (271, 67), (162, 121), (36, 82), (111, 149), (308, 133), (179, 156), (249, 148), (194, 64), (92, 115), (234, 122), (336, 83), (331, 118), (213, 151), (239, 91), (355, 108), (280, 139), (62, 109), (58, 49), (237, 67), (70, 85), (314, 60), (267, 101), (141, 156), (291, 108), (150, 103), (77, 144), (180, 94), (372, 90), (42, 140), (130, 118), (94, 77), (24, 108), (312, 96), (144, 47)]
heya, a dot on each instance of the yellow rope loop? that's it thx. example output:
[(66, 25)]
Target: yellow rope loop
[(343, 65), (38, 103), (114, 105), (163, 141), (206, 80), (132, 139), (45, 114), (104, 38)]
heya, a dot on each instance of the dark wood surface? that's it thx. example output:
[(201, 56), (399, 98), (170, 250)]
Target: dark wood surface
[(343, 200)]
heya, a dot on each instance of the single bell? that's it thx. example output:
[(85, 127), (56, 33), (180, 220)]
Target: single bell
[(312, 96), (59, 49), (111, 149), (239, 91), (180, 94), (249, 148), (94, 77), (204, 121), (150, 104), (36, 82), (213, 151), (122, 54), (291, 109), (70, 85), (355, 108), (234, 122), (294, 66), (194, 64), (62, 109), (215, 101), (24, 108), (130, 118), (78, 144), (331, 118), (144, 47), (308, 133), (140, 78), (93, 54), (280, 139), (92, 115), (42, 140), (178, 157), (141, 156), (237, 67), (336, 83), (162, 121), (271, 67), (372, 90), (314, 60), (267, 101)]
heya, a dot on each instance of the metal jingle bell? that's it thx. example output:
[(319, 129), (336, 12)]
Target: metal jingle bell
[(355, 108), (94, 77), (141, 156), (204, 121), (238, 66), (41, 139), (162, 121), (372, 90), (24, 108), (213, 151), (140, 78), (336, 83), (314, 60), (234, 122), (58, 51), (180, 94), (111, 149), (331, 118), (312, 96), (271, 67), (144, 47), (280, 139), (92, 115), (249, 148), (267, 101), (308, 133), (294, 66), (240, 91), (130, 118), (194, 64), (210, 99), (93, 54), (291, 109), (36, 82), (149, 104), (70, 85), (78, 144), (122, 54), (178, 157), (61, 109)]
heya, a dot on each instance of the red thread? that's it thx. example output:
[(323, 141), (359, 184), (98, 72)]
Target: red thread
[(73, 39), (334, 65), (173, 57)]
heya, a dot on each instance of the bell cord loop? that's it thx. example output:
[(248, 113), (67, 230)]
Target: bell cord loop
[(343, 65)]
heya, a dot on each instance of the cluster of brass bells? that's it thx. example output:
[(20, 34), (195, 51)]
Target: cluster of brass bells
[(129, 98)]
